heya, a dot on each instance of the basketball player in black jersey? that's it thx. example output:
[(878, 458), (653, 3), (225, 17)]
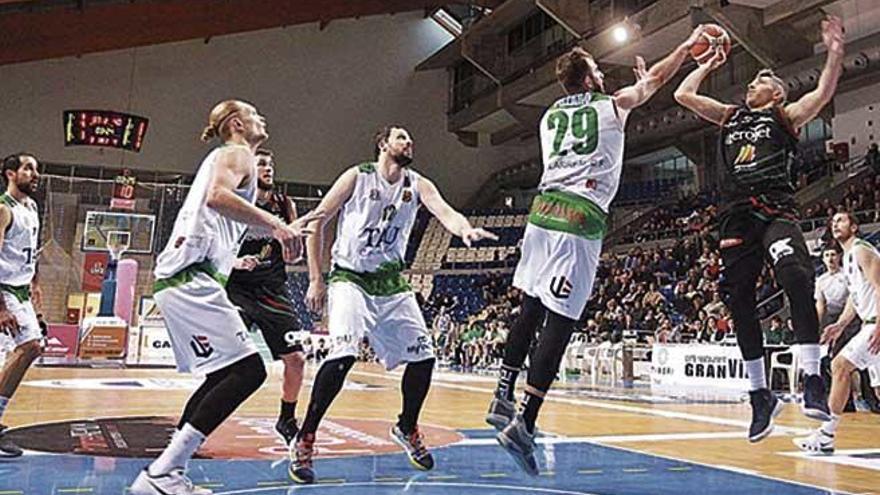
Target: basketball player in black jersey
[(258, 286), (758, 218)]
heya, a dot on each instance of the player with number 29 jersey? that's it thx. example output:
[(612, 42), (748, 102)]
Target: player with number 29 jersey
[(582, 147)]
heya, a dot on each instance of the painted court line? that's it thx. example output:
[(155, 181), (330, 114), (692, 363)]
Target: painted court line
[(472, 488), (612, 407)]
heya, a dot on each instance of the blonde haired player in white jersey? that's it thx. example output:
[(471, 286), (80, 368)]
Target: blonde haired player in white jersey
[(861, 266), (207, 334), (582, 140), (368, 296), (19, 232)]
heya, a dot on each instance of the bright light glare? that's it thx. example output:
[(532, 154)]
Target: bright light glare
[(621, 34)]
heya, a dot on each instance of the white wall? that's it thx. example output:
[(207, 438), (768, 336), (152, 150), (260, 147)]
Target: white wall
[(323, 93), (857, 118)]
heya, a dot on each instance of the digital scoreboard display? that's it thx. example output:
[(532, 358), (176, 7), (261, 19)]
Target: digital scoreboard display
[(104, 128)]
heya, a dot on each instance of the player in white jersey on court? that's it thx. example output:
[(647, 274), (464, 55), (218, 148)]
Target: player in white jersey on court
[(368, 296), (207, 334), (861, 266), (19, 234), (582, 141)]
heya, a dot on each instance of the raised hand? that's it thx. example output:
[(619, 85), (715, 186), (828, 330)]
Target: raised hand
[(640, 70), (832, 34), (717, 59)]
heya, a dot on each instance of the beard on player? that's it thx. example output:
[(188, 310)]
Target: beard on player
[(404, 158)]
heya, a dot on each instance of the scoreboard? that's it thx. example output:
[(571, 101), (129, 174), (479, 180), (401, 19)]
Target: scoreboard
[(104, 128)]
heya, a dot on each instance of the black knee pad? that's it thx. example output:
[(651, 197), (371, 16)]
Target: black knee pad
[(337, 366), (251, 371)]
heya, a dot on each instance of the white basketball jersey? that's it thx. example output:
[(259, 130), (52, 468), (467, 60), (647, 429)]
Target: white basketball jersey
[(582, 147), (375, 223), (861, 291), (202, 234), (18, 254)]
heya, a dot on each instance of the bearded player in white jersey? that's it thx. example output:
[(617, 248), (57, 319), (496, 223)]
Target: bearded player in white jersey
[(19, 233), (368, 296), (861, 267), (207, 334), (582, 139)]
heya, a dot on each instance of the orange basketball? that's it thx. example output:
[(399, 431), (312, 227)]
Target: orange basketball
[(712, 37)]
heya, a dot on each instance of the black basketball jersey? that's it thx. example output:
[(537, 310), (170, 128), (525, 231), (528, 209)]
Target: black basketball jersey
[(270, 269), (757, 150)]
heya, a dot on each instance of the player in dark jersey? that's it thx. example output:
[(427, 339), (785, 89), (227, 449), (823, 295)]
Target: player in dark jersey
[(258, 286), (758, 219)]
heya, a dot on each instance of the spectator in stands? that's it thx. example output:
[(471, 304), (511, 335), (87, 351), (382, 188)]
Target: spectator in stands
[(774, 334), (872, 158)]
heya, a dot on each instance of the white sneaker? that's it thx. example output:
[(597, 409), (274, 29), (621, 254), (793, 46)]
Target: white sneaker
[(818, 442), (173, 483)]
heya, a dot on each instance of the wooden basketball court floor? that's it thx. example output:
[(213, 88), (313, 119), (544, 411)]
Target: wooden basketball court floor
[(89, 431)]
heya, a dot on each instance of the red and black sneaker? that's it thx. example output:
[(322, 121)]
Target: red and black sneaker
[(414, 446), (300, 469)]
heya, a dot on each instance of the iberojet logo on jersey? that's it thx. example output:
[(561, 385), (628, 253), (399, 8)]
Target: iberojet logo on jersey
[(759, 133)]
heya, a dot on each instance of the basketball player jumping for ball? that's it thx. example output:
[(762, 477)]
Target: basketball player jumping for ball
[(207, 334), (19, 235), (758, 220), (258, 286), (861, 267), (368, 296), (582, 141)]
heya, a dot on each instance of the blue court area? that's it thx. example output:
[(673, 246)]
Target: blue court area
[(478, 468)]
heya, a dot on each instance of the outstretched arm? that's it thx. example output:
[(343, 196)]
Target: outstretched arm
[(686, 95), (453, 221), (809, 106), (648, 82)]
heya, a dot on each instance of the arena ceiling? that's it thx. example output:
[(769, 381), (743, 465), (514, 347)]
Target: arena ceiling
[(44, 29)]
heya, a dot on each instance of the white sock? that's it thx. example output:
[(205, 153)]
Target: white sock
[(809, 355), (4, 401), (830, 426), (757, 375), (183, 445)]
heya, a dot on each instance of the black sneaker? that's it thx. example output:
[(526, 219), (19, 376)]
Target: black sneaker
[(414, 446), (520, 444), (300, 469), (815, 404), (501, 412), (765, 407), (8, 449), (287, 430)]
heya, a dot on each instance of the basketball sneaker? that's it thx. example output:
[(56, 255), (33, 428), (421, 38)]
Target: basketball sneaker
[(413, 444), (287, 430), (173, 483), (818, 442), (501, 412), (8, 449), (815, 404), (765, 407), (520, 444), (300, 469)]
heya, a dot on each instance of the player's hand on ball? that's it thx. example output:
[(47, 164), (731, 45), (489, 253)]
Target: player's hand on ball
[(832, 34), (8, 323), (469, 236), (315, 296), (695, 36), (717, 60), (831, 333)]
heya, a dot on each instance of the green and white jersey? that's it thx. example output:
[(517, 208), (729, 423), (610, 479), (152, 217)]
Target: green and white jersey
[(373, 230), (18, 254), (202, 238), (582, 147), (861, 291)]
